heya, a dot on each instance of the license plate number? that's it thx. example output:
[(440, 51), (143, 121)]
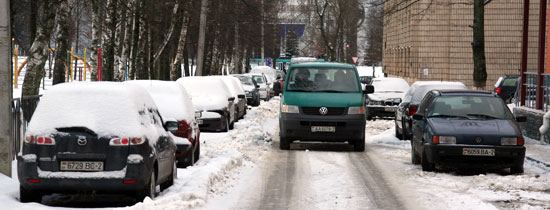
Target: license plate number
[(323, 129), (200, 122), (478, 152), (81, 166), (389, 109)]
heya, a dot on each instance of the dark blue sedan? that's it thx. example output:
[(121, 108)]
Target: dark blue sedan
[(466, 129)]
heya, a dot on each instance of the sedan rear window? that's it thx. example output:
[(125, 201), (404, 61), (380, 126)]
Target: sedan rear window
[(483, 107)]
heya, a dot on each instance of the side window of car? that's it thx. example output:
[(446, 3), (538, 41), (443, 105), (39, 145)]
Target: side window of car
[(425, 103)]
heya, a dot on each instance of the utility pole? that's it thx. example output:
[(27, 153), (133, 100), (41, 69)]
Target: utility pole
[(262, 34), (5, 89), (202, 31)]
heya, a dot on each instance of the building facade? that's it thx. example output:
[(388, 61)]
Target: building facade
[(431, 40)]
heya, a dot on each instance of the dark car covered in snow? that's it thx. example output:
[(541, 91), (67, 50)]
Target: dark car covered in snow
[(466, 129), (109, 138)]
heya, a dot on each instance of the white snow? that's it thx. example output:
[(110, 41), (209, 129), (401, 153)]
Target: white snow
[(171, 98), (107, 108), (135, 158), (179, 140), (210, 115), (269, 72), (208, 93), (80, 175)]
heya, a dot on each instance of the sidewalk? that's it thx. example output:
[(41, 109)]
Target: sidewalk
[(537, 151)]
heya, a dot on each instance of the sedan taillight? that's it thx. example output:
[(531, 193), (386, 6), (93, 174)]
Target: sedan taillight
[(412, 110)]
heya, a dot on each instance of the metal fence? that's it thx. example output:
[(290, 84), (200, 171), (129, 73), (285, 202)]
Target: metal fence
[(531, 91), (22, 110)]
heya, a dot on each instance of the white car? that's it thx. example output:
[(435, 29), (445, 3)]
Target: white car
[(236, 89), (265, 89), (270, 75), (388, 93)]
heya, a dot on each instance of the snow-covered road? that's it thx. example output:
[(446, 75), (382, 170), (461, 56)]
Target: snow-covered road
[(244, 169)]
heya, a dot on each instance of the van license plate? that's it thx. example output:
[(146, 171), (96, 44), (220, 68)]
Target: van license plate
[(478, 152), (323, 129), (81, 166)]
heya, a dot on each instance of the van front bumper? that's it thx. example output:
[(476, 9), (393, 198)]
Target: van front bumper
[(299, 127)]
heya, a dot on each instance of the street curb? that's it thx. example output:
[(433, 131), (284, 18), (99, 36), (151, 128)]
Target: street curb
[(538, 161)]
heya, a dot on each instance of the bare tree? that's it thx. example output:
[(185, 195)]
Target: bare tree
[(62, 43)]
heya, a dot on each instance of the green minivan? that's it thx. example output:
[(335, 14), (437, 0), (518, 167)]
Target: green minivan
[(323, 102)]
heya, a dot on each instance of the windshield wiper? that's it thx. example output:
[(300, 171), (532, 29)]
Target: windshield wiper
[(300, 90), (331, 91), (484, 116), (447, 116)]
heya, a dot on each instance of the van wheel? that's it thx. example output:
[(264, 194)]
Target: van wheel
[(150, 191), (197, 153), (170, 180), (359, 145), (426, 165), (26, 196), (284, 143), (516, 169)]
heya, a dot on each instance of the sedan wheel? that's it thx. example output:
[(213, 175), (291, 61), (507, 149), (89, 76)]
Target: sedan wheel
[(172, 178), (414, 157), (397, 133), (426, 166)]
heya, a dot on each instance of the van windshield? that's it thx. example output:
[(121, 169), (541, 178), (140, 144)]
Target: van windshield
[(329, 79)]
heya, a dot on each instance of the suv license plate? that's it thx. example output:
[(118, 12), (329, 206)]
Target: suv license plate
[(200, 122), (81, 166), (323, 129), (478, 152)]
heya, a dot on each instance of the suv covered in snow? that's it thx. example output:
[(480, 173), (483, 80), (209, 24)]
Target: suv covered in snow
[(108, 138), (323, 102)]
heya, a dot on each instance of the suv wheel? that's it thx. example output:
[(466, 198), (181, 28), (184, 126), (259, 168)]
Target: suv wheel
[(284, 143), (151, 189), (414, 157), (397, 134), (26, 196)]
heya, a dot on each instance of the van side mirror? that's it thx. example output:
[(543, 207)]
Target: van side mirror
[(521, 119), (418, 117), (368, 89), (171, 126)]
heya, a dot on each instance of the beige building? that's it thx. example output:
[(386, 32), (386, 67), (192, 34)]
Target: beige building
[(431, 40)]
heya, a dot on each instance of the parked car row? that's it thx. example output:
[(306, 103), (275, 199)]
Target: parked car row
[(124, 138)]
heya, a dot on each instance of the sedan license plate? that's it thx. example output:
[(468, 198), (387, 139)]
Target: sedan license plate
[(81, 166), (478, 152), (389, 109), (323, 129), (200, 122)]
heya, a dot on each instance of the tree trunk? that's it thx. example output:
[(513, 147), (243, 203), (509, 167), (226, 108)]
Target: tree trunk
[(107, 68), (128, 40), (121, 17), (141, 64), (96, 38), (202, 34), (133, 62), (62, 44), (478, 44), (38, 54), (168, 34), (176, 72), (236, 53)]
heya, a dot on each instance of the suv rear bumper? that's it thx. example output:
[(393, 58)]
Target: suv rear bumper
[(213, 124), (298, 127), (109, 182), (451, 155)]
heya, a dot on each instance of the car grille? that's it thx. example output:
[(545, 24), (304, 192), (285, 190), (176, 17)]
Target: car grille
[(331, 110)]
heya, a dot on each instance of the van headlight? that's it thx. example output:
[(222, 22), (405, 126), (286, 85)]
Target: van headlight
[(290, 109), (356, 110)]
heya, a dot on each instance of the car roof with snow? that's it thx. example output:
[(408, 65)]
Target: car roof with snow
[(107, 108), (419, 89), (390, 84), (322, 64), (171, 98), (208, 93), (234, 85)]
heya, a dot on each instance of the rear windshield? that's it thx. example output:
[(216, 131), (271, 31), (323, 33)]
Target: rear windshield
[(246, 80), (484, 107), (420, 92), (258, 79), (327, 79), (510, 82)]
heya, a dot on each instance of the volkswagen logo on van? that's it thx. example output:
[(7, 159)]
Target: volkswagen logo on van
[(323, 110), (82, 141)]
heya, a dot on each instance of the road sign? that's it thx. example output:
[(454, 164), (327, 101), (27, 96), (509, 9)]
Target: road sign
[(354, 59)]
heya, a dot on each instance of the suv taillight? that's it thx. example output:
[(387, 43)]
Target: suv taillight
[(40, 140), (499, 90), (412, 110)]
